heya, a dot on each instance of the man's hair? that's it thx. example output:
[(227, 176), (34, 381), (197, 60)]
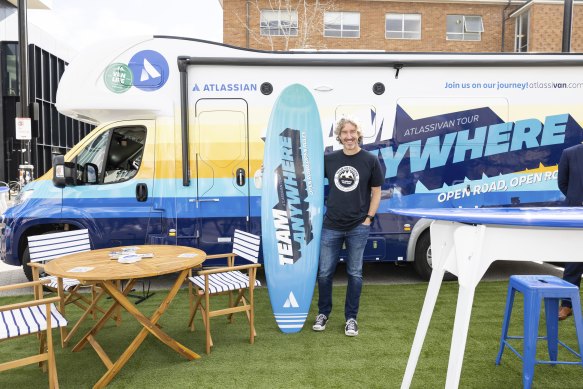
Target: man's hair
[(344, 121)]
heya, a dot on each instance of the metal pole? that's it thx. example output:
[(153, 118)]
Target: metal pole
[(25, 157), (567, 21), (247, 26)]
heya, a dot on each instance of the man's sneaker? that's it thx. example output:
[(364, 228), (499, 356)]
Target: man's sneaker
[(320, 323), (351, 328)]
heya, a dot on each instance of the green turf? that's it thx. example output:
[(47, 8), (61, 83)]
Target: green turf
[(375, 359)]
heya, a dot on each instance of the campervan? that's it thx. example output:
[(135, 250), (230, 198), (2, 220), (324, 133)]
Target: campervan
[(176, 156)]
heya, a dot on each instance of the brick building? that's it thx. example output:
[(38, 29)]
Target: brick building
[(391, 25)]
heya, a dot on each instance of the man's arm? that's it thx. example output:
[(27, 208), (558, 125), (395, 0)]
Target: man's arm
[(375, 201), (563, 176)]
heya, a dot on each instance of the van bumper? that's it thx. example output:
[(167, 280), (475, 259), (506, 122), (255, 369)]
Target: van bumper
[(6, 254)]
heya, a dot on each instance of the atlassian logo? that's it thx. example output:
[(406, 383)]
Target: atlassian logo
[(292, 224), (229, 87), (291, 301), (150, 70)]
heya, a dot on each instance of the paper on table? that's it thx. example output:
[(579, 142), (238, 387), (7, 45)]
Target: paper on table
[(116, 255), (129, 258), (80, 269), (187, 255)]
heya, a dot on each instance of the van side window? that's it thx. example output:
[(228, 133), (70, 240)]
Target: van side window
[(124, 157), (114, 156)]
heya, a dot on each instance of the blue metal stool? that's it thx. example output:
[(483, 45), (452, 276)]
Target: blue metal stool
[(534, 288)]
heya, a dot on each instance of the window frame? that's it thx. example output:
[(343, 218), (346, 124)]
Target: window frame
[(464, 34), (402, 31), (342, 30), (519, 38), (265, 25)]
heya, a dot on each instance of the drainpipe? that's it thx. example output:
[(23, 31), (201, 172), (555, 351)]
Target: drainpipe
[(247, 25), (567, 20), (503, 33)]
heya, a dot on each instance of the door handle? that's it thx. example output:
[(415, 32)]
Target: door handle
[(240, 176), (141, 192)]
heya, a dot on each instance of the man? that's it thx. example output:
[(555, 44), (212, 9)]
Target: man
[(570, 181), (354, 178)]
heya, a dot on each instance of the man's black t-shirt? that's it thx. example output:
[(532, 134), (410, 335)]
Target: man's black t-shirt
[(350, 178)]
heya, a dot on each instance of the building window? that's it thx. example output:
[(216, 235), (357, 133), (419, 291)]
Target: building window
[(278, 23), (403, 26), (521, 36), (342, 24), (464, 28)]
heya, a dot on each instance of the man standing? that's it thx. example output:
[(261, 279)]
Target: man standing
[(570, 181), (354, 178)]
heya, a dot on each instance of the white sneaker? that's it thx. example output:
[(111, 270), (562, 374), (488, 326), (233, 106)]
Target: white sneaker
[(320, 323), (351, 328)]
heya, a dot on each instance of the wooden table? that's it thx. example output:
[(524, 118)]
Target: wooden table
[(97, 267)]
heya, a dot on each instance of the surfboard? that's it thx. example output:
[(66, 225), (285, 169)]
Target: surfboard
[(566, 217), (292, 201)]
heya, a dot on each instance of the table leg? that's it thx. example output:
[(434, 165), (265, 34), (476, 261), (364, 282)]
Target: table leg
[(149, 327), (442, 255), (423, 325), (461, 324), (79, 346), (90, 309)]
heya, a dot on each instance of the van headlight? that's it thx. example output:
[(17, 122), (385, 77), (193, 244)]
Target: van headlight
[(23, 196)]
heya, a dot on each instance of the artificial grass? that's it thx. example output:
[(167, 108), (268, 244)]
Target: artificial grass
[(375, 359)]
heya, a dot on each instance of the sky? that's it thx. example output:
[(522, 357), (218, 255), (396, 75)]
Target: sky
[(79, 23)]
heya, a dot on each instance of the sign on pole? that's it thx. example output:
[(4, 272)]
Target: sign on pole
[(23, 128)]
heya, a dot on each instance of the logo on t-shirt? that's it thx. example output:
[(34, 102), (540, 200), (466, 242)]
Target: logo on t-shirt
[(346, 178)]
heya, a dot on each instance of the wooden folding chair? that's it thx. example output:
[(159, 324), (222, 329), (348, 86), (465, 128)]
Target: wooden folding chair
[(226, 280), (30, 317), (43, 248)]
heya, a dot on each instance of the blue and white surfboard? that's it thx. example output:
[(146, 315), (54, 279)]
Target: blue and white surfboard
[(292, 202)]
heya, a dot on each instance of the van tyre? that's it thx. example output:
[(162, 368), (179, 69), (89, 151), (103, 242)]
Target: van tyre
[(423, 260), (25, 260)]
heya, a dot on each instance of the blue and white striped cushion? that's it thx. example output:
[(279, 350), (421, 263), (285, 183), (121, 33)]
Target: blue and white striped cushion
[(28, 320), (68, 283), (222, 282)]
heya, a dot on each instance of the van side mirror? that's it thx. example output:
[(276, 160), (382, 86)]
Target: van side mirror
[(59, 171), (90, 173), (64, 173)]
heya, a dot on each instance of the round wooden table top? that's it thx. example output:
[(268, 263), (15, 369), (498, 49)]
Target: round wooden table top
[(97, 265)]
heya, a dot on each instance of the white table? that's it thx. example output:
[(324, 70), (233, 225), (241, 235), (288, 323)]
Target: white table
[(465, 242)]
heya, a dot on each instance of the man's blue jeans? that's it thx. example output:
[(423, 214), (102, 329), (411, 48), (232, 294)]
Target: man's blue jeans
[(330, 247)]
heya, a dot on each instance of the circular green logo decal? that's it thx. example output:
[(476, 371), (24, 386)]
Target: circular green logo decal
[(118, 77)]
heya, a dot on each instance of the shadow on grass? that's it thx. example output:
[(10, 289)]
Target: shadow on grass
[(375, 359)]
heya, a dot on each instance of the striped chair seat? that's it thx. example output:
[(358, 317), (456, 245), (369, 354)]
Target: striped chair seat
[(68, 283), (17, 322), (238, 281), (223, 282)]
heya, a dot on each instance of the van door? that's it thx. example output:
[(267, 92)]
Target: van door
[(114, 200), (221, 147)]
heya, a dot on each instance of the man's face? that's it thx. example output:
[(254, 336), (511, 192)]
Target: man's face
[(349, 137)]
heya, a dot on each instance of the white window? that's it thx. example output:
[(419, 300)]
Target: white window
[(403, 26), (342, 24), (278, 23), (521, 35), (464, 28)]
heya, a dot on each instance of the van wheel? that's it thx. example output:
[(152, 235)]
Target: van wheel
[(25, 260), (423, 260)]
